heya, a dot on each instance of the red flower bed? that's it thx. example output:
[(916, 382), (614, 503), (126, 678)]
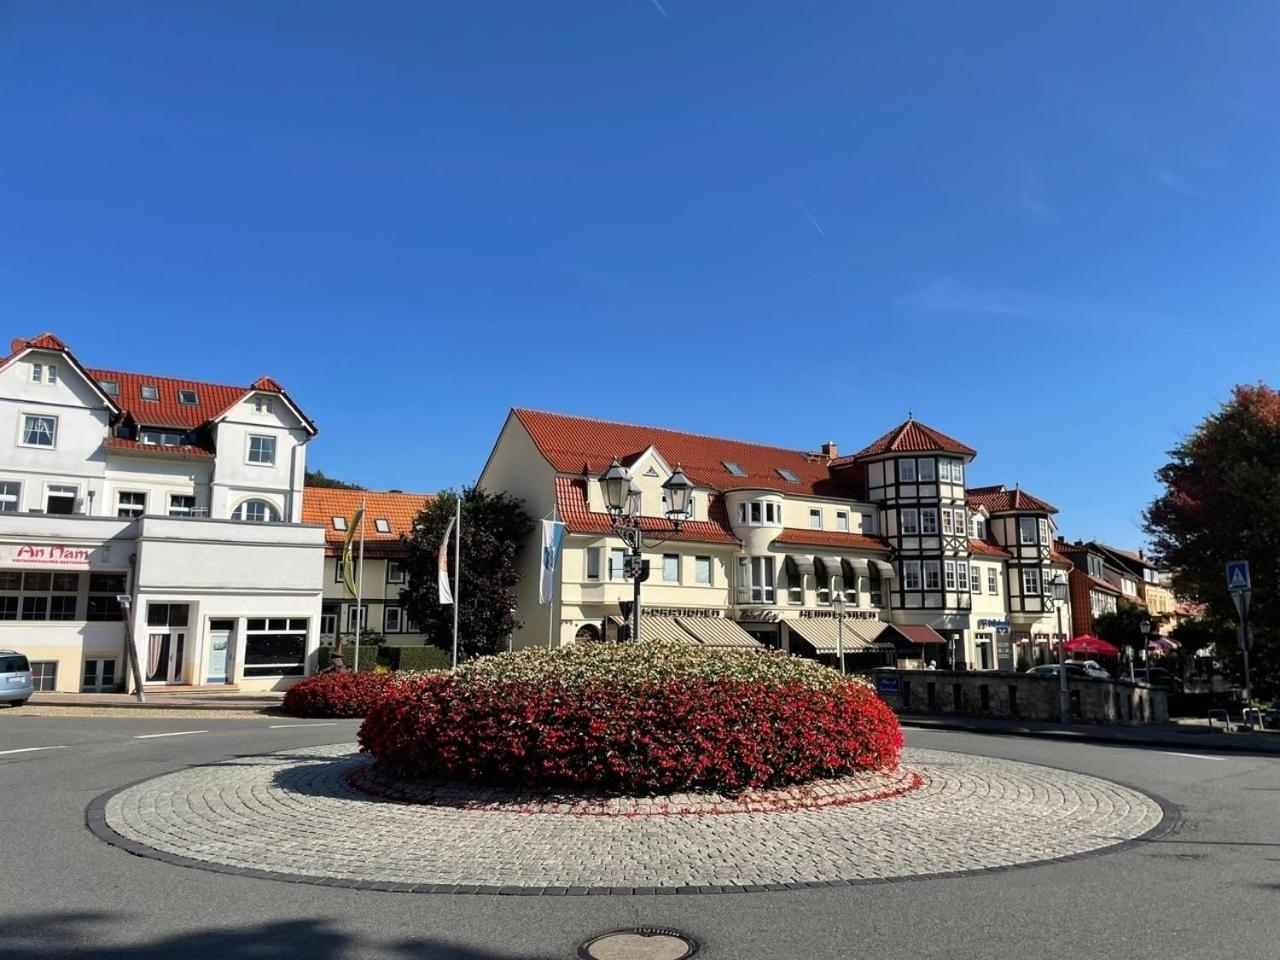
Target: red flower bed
[(685, 732), (340, 694)]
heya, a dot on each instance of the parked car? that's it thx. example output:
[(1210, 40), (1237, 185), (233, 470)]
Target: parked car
[(1091, 669), (1160, 678), (1075, 668), (15, 678)]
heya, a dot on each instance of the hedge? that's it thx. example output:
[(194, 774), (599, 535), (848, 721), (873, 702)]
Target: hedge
[(419, 658)]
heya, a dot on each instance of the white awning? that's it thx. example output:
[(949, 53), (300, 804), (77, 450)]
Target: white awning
[(823, 634), (720, 632), (885, 568)]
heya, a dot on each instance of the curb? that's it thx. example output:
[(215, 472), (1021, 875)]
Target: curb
[(1069, 735)]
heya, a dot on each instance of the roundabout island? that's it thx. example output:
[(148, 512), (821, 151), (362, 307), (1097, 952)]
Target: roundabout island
[(621, 770)]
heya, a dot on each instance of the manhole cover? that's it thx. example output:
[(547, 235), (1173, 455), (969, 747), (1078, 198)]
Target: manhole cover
[(641, 943)]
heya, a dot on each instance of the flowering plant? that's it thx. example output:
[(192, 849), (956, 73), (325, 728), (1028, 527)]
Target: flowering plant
[(341, 694), (646, 717)]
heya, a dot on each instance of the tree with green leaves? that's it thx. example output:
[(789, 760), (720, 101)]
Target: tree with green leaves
[(1221, 502), (494, 526), (318, 478), (1123, 628)]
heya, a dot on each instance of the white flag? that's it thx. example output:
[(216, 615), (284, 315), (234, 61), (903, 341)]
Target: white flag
[(442, 566), (552, 537)]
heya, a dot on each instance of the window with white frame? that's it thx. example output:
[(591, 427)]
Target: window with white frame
[(357, 617), (39, 430), (61, 498), (944, 469), (10, 496), (910, 521), (99, 674), (946, 521), (328, 624), (37, 373), (44, 674), (760, 512), (617, 563), (1095, 566), (842, 520), (911, 574), (188, 397), (702, 570), (381, 525), (957, 471), (149, 391), (1043, 525), (932, 575), (593, 563), (979, 528), (262, 404), (110, 387), (962, 576), (949, 572), (1030, 581), (906, 471), (993, 582), (262, 449), (392, 620), (1027, 532), (130, 503), (924, 469), (671, 568), (395, 571), (339, 523), (975, 582), (815, 518), (256, 511), (161, 438), (929, 520), (275, 647), (962, 520), (755, 580), (868, 523)]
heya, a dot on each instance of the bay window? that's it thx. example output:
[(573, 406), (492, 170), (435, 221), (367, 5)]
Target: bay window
[(929, 520), (962, 576), (1027, 532), (925, 469), (1030, 581), (906, 471), (910, 521), (911, 574), (949, 571), (932, 575), (755, 580)]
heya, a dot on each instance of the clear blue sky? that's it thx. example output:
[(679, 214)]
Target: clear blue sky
[(1050, 229)]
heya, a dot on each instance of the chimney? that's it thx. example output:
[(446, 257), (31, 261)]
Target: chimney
[(829, 450), (1142, 554)]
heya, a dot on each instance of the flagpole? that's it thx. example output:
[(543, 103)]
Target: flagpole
[(355, 666), (457, 571), (551, 603)]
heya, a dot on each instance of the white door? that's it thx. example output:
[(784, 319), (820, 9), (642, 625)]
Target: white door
[(219, 648), (164, 656)]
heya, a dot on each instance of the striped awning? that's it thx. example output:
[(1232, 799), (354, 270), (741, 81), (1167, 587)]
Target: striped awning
[(720, 632), (885, 568), (825, 568), (855, 566), (660, 628), (823, 634), (798, 566)]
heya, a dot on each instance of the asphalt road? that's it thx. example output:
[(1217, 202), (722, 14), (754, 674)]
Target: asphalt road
[(1210, 888)]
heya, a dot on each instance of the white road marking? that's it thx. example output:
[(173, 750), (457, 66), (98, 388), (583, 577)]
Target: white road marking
[(176, 733), (31, 749), (1193, 756), (282, 726)]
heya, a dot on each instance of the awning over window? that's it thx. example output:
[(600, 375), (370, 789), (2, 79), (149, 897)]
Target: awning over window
[(855, 567), (720, 632), (885, 568), (823, 634), (826, 568), (798, 566), (912, 634), (660, 628)]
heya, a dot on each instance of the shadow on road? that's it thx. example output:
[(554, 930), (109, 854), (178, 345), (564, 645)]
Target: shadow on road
[(80, 936)]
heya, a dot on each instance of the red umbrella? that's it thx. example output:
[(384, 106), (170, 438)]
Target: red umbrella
[(1088, 643)]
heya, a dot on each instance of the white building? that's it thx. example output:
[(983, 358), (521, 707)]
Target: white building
[(184, 497), (926, 570)]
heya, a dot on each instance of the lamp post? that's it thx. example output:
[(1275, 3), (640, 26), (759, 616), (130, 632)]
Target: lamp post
[(1059, 584), (1145, 627), (622, 503), (837, 600)]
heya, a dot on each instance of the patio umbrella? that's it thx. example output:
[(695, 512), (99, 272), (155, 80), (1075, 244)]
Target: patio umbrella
[(1162, 644), (1088, 643)]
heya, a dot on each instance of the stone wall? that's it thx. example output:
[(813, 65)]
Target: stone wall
[(1019, 696)]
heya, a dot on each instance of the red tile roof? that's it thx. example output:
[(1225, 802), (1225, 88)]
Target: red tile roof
[(574, 444), (137, 446), (916, 634), (1000, 499), (912, 436), (571, 502), (987, 549), (831, 538), (212, 399), (321, 504)]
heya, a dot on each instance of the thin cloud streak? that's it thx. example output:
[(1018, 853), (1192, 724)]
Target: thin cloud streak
[(812, 219), (658, 6), (1171, 181)]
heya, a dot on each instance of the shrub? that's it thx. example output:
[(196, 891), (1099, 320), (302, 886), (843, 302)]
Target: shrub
[(370, 655), (419, 659), (647, 717), (341, 694)]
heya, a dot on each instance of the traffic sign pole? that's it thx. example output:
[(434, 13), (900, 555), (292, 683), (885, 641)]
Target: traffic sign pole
[(1239, 583)]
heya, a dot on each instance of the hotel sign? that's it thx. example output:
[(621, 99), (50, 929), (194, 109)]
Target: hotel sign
[(683, 612), (832, 615), (74, 556)]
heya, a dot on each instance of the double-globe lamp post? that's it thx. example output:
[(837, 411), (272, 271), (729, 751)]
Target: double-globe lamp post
[(1060, 588), (622, 502)]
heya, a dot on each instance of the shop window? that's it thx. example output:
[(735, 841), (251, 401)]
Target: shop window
[(167, 614), (99, 674), (44, 674), (275, 647), (103, 590)]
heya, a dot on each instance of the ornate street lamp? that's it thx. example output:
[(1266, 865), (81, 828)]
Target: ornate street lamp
[(837, 600), (1060, 591), (1145, 627), (622, 502)]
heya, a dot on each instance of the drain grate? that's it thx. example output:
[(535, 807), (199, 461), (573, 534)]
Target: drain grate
[(639, 943)]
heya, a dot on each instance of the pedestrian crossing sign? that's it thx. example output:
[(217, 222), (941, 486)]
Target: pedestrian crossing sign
[(1238, 575)]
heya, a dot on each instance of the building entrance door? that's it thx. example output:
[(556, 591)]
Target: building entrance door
[(164, 656), (220, 632)]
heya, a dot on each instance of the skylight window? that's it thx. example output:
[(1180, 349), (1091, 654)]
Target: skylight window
[(733, 468), (339, 523), (149, 391), (110, 387), (788, 476), (188, 397), (382, 526)]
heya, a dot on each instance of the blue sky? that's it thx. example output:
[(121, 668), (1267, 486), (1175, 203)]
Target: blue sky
[(1050, 229)]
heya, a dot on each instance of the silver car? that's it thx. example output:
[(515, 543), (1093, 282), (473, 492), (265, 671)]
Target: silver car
[(15, 678)]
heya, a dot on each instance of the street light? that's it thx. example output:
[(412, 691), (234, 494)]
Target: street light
[(1145, 627), (837, 600), (622, 503), (1060, 590)]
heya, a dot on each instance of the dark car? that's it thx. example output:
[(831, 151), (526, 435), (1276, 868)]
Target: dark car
[(1160, 678)]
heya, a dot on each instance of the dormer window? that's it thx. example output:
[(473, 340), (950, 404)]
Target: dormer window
[(188, 397), (262, 404), (110, 387), (788, 476), (733, 468), (382, 526), (339, 523), (759, 513), (149, 391)]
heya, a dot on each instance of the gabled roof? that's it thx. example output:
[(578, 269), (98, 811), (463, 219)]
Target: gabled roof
[(321, 504), (1095, 583), (1123, 558), (803, 536), (47, 341), (574, 444), (578, 517), (1000, 499), (910, 436), (167, 410)]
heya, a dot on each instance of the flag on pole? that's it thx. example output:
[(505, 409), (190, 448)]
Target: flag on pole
[(348, 564), (552, 538), (442, 566)]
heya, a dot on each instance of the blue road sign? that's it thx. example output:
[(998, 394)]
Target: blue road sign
[(887, 684), (1238, 575)]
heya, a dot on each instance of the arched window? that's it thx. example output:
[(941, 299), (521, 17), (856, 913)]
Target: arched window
[(587, 633), (256, 511)]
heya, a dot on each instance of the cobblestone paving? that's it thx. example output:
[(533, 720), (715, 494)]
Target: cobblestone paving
[(294, 814)]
